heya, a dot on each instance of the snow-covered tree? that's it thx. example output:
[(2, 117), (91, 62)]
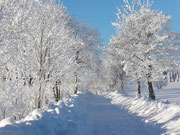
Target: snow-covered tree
[(8, 43), (114, 67), (142, 40), (86, 56), (43, 54), (37, 50), (47, 48)]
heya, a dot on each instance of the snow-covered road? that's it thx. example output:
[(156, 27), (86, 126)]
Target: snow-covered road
[(85, 114), (109, 119)]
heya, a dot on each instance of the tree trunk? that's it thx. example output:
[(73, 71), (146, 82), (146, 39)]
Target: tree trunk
[(4, 113), (150, 86), (75, 90), (122, 82), (139, 88), (39, 98), (122, 86), (76, 85), (57, 93), (177, 77), (151, 91)]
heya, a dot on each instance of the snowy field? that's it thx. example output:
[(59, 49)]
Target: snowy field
[(109, 114), (171, 93)]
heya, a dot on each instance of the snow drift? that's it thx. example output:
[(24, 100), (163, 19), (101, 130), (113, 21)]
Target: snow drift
[(52, 120), (112, 113), (156, 112)]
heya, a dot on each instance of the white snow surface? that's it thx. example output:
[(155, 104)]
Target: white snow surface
[(111, 113), (171, 92)]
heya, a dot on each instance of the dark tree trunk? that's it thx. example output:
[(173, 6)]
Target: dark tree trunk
[(76, 90), (76, 85), (150, 86), (4, 113), (122, 86), (139, 88), (39, 98), (57, 94), (151, 91), (122, 82)]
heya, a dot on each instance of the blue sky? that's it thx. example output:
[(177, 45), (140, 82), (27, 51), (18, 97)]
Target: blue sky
[(101, 13)]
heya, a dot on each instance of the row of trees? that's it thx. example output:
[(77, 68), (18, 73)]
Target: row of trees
[(144, 47), (45, 53)]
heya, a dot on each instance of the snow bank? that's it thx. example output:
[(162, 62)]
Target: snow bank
[(52, 120), (7, 121), (156, 112), (87, 114)]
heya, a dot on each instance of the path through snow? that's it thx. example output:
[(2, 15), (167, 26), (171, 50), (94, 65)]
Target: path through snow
[(85, 114), (109, 119)]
